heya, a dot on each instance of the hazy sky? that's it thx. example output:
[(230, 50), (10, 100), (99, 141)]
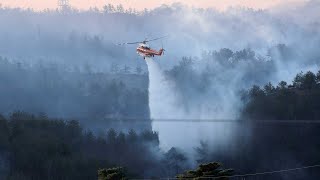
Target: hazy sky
[(141, 4)]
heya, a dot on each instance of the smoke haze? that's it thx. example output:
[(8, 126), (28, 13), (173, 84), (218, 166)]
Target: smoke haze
[(67, 64)]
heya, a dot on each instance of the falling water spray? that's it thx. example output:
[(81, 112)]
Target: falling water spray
[(177, 127)]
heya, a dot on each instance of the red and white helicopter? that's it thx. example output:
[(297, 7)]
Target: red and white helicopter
[(144, 49)]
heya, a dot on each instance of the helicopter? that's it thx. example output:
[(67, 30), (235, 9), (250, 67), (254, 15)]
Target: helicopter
[(144, 49)]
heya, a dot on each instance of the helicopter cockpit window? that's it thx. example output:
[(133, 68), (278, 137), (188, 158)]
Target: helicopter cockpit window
[(146, 47)]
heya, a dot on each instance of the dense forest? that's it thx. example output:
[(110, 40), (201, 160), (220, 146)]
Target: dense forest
[(283, 123), (296, 101), (59, 92), (74, 105), (37, 147), (81, 150)]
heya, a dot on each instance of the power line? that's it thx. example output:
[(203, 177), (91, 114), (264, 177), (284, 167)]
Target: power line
[(234, 121), (249, 174), (172, 120), (264, 173)]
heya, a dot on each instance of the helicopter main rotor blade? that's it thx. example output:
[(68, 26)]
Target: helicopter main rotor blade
[(157, 38), (134, 43), (145, 41), (120, 44)]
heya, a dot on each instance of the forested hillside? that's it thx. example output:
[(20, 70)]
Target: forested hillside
[(299, 100), (74, 99), (283, 126), (67, 93), (38, 147)]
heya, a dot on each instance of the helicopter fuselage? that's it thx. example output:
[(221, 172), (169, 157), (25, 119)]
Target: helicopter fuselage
[(145, 51)]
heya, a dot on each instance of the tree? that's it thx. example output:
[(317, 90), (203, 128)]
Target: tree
[(132, 136), (297, 82), (282, 85), (305, 81), (150, 136), (87, 68), (269, 88), (210, 170), (108, 8), (309, 80), (318, 77), (105, 9), (114, 68), (145, 11), (4, 133), (121, 139), (255, 91), (138, 70), (118, 173), (174, 160), (126, 69), (52, 148), (226, 53), (223, 55), (129, 11), (186, 63), (202, 152), (120, 8), (245, 54), (111, 135)]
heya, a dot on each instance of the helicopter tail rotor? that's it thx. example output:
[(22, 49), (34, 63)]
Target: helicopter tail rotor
[(163, 50)]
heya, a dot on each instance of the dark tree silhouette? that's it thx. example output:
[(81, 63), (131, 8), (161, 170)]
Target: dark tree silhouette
[(210, 170), (112, 174), (174, 161), (38, 147)]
